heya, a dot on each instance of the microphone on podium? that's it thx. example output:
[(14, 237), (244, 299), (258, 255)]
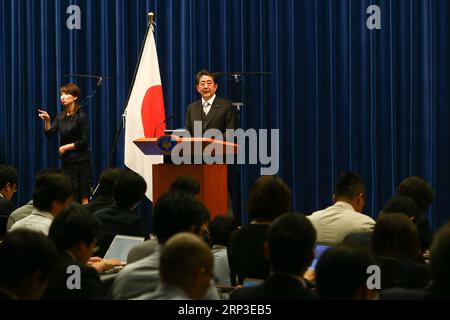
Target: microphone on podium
[(173, 115)]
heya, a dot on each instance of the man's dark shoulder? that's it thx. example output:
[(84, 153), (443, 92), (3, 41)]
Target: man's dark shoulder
[(111, 211), (250, 231), (90, 286), (6, 207), (64, 266)]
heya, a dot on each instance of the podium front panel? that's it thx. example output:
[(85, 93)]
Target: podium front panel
[(213, 182)]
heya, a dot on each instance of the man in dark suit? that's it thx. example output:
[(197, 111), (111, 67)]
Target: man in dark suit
[(212, 111), (74, 232), (104, 198), (128, 191), (290, 250), (215, 113)]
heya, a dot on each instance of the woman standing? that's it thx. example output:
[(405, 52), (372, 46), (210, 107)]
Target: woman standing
[(73, 129)]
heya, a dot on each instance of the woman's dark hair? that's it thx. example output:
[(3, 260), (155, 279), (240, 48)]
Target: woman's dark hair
[(73, 90), (403, 204), (419, 190), (269, 198), (396, 236)]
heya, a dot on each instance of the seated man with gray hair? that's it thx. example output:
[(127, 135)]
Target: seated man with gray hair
[(186, 269)]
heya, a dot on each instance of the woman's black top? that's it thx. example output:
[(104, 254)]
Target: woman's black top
[(72, 129)]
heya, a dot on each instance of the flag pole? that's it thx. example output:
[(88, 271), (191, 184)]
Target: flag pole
[(121, 124)]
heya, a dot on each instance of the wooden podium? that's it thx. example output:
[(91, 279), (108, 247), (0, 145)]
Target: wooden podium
[(213, 178)]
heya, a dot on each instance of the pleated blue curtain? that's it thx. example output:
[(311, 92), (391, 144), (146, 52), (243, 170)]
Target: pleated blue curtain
[(343, 97)]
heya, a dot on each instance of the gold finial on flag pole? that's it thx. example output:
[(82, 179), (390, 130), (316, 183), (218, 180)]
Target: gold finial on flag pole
[(151, 19)]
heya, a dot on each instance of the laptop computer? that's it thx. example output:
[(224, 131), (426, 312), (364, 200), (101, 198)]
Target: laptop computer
[(318, 251), (121, 246), (175, 132)]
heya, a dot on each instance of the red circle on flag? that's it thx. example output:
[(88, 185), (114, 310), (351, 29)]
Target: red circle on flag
[(152, 112)]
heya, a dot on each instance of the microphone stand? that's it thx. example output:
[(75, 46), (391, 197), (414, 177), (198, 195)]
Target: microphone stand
[(237, 173), (238, 77), (89, 98)]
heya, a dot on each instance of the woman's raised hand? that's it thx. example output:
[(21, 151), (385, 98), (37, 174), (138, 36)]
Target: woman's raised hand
[(44, 115)]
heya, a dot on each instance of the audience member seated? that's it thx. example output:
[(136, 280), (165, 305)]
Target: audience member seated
[(396, 247), (52, 193), (128, 191), (104, 194), (8, 186), (341, 274), (173, 213), (74, 232), (25, 210), (186, 269), (422, 193), (184, 184), (407, 206), (143, 250), (220, 230), (440, 265), (27, 261), (269, 198), (439, 287), (20, 213), (290, 250), (334, 223)]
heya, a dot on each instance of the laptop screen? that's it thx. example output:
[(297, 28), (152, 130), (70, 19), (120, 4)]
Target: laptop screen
[(121, 246), (318, 251)]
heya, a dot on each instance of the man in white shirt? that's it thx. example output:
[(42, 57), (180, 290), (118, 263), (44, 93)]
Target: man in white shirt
[(334, 223), (52, 193)]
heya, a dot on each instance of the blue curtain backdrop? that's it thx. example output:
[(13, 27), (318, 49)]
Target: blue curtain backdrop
[(344, 97)]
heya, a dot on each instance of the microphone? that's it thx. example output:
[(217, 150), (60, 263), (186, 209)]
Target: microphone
[(173, 115)]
